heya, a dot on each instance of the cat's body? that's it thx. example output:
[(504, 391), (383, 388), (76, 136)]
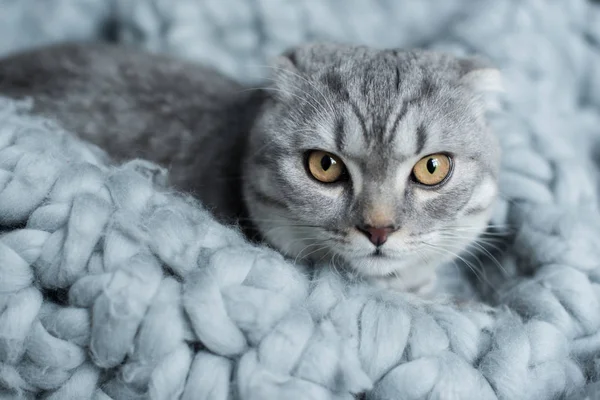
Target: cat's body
[(132, 104), (368, 117)]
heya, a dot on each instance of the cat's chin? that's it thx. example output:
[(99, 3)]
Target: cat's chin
[(380, 264), (403, 274)]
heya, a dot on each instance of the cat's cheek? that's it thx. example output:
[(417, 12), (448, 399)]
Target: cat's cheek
[(483, 197), (333, 191), (422, 195)]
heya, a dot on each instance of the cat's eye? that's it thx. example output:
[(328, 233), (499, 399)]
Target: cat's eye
[(432, 170), (325, 167)]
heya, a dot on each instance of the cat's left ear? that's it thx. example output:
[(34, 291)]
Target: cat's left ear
[(287, 61), (285, 75), (480, 76)]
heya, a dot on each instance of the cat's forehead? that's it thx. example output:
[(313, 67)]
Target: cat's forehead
[(396, 103), (399, 116), (374, 79), (379, 79)]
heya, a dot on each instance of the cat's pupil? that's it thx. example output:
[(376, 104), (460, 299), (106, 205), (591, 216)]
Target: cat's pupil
[(432, 165), (326, 162)]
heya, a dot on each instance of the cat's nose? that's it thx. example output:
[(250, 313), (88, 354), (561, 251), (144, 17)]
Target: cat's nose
[(377, 235)]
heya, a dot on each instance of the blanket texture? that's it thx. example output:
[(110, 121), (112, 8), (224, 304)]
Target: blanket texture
[(114, 287)]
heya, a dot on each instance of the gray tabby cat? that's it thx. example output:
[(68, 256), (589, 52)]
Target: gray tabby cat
[(379, 161)]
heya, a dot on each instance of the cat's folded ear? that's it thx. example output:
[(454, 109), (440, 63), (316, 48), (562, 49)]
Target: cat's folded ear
[(286, 75), (480, 76), (287, 60)]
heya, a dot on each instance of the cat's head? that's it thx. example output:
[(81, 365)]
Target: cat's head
[(381, 159)]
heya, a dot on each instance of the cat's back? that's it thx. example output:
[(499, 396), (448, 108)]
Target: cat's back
[(92, 88), (136, 104), (101, 67)]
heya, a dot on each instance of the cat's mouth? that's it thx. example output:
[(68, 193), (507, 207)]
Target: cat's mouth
[(378, 252)]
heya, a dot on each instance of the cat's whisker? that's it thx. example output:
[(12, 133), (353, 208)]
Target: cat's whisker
[(331, 261), (314, 241), (303, 249), (497, 245), (489, 225), (325, 255), (280, 223), (493, 242), (454, 263), (336, 257), (493, 239), (480, 274), (277, 224), (459, 240), (300, 98), (296, 240), (311, 236), (487, 241), (490, 240), (268, 142), (310, 83), (485, 246), (323, 247), (303, 100), (512, 201), (493, 258), (488, 254), (470, 235), (420, 255), (273, 140), (474, 229), (319, 229), (310, 239), (314, 104)]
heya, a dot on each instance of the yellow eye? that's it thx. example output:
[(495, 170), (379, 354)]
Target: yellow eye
[(325, 167), (432, 170)]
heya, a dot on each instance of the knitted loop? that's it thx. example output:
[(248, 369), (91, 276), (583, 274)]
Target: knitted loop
[(19, 311)]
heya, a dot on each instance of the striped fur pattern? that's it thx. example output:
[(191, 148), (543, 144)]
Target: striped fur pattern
[(379, 111)]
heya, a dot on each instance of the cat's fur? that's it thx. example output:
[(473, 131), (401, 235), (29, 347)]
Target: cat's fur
[(185, 117), (242, 152)]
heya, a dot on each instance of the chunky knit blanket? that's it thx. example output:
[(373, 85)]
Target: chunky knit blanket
[(114, 287)]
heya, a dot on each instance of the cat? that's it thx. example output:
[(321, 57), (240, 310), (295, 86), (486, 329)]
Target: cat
[(377, 162)]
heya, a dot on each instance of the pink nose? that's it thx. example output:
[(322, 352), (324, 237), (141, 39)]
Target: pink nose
[(377, 235)]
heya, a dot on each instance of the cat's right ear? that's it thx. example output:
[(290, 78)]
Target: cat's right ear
[(480, 76), (483, 79), (286, 76)]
